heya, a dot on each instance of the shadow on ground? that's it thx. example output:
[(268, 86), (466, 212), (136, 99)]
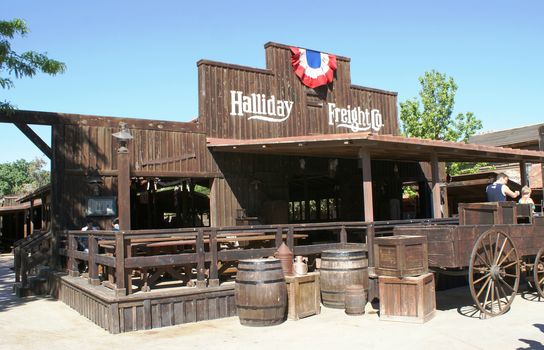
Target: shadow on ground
[(8, 299), (533, 344), (461, 299)]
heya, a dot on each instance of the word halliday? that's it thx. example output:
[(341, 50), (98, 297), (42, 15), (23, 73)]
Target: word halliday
[(271, 109)]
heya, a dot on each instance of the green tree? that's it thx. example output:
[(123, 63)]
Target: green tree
[(20, 65), (431, 116), (22, 177)]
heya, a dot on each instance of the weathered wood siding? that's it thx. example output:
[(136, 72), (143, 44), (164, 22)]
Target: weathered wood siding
[(151, 150), (310, 111), (85, 146)]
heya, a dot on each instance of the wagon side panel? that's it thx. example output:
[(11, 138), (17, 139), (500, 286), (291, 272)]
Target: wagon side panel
[(440, 240)]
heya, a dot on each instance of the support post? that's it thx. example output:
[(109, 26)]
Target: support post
[(523, 173), (31, 218), (72, 263), (291, 239), (120, 274), (364, 155), (93, 266), (214, 193), (541, 147), (201, 260), (373, 279), (24, 268), (343, 235), (279, 237), (213, 278), (436, 187), (57, 183), (123, 187), (17, 263)]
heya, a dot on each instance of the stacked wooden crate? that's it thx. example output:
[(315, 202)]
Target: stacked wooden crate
[(406, 286)]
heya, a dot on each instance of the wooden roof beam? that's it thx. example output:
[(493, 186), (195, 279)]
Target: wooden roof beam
[(36, 139)]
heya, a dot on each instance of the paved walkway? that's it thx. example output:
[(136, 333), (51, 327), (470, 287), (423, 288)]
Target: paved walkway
[(44, 323)]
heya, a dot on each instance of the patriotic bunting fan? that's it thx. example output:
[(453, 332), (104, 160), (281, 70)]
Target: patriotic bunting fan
[(312, 67)]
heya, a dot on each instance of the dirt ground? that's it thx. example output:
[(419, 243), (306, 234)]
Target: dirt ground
[(44, 323)]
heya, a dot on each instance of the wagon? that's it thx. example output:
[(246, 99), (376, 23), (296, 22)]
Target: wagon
[(493, 244)]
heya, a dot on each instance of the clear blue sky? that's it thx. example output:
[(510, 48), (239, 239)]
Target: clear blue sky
[(138, 58)]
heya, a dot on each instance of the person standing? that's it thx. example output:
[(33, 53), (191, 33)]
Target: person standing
[(498, 190)]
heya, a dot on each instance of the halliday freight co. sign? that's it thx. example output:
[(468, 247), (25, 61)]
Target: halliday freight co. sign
[(270, 109)]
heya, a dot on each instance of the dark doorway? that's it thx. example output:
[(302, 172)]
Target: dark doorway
[(159, 203), (313, 199)]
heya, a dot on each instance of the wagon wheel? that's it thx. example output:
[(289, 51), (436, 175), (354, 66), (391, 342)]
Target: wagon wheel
[(538, 273), (494, 272)]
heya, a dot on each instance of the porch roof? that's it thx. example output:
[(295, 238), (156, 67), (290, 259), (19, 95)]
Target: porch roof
[(385, 147), (19, 207)]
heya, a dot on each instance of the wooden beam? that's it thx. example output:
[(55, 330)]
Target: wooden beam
[(214, 202), (436, 186), (523, 173), (541, 147), (36, 139), (52, 118), (364, 154)]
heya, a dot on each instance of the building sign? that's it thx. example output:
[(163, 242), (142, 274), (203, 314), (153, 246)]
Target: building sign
[(260, 107), (270, 109), (356, 119)]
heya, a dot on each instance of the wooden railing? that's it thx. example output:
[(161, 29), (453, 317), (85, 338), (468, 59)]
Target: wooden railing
[(111, 257), (30, 253)]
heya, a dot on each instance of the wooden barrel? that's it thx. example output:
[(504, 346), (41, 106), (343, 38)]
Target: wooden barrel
[(339, 269), (355, 299), (260, 292)]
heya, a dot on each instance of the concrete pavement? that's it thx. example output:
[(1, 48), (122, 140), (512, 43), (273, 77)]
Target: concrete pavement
[(44, 323)]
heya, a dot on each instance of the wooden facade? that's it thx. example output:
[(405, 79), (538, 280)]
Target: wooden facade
[(310, 112), (263, 185)]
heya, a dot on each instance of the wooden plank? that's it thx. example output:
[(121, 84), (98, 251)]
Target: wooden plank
[(161, 260), (213, 277), (115, 326), (36, 139), (200, 269)]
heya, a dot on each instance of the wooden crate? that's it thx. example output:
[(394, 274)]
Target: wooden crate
[(409, 299), (401, 256), (303, 296)]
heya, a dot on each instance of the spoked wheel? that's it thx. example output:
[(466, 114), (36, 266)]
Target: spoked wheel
[(494, 272), (538, 273)]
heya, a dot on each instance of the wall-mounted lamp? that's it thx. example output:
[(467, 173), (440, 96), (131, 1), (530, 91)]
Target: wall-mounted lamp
[(95, 182), (302, 163)]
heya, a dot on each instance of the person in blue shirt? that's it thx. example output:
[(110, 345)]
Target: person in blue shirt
[(498, 190)]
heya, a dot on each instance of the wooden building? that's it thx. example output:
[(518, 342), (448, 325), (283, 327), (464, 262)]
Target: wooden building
[(21, 216), (529, 137), (267, 156)]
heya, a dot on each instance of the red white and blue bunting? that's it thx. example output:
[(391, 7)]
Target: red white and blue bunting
[(312, 67)]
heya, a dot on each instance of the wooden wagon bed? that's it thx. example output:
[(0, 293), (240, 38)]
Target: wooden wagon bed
[(492, 244), (451, 246)]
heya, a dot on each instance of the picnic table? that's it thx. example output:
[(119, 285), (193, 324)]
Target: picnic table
[(177, 245)]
